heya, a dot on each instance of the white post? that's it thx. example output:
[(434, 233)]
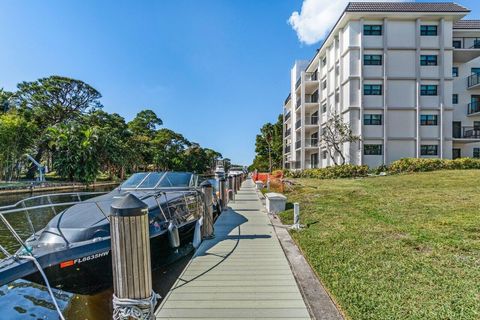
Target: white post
[(296, 216)]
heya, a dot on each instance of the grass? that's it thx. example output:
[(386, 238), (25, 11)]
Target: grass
[(395, 247)]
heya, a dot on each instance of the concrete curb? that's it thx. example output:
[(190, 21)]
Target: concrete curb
[(318, 301)]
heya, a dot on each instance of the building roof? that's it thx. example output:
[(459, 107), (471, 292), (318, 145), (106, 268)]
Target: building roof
[(405, 7), (467, 24)]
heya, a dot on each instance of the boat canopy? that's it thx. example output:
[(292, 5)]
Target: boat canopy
[(159, 180)]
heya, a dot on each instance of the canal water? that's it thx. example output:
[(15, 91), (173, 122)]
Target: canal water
[(22, 299)]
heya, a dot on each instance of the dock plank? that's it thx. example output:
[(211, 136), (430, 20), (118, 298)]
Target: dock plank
[(242, 273)]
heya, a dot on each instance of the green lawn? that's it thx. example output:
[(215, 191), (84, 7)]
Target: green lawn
[(395, 247)]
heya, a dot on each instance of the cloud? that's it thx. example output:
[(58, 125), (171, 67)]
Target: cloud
[(317, 17)]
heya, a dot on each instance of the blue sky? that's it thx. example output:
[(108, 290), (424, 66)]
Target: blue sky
[(213, 70)]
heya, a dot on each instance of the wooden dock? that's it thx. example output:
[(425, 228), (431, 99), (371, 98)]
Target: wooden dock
[(242, 273)]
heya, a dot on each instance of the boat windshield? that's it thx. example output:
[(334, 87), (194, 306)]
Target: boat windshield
[(154, 180)]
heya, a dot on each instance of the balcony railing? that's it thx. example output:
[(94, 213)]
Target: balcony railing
[(287, 115), (473, 80), (298, 124), (287, 165), (298, 144), (296, 165), (466, 43), (288, 132), (311, 98), (299, 102), (470, 133), (473, 107), (311, 121), (311, 76), (287, 99), (287, 149), (298, 83), (311, 143)]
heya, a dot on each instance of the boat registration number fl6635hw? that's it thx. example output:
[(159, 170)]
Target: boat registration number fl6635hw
[(70, 263)]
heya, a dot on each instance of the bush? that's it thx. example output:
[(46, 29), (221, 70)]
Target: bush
[(335, 172), (423, 165)]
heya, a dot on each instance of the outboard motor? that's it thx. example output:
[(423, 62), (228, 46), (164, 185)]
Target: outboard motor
[(173, 236)]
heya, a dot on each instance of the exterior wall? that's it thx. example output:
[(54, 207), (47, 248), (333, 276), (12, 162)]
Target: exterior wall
[(401, 105)]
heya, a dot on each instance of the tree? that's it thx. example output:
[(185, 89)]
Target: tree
[(145, 123), (52, 101), (5, 101), (16, 137), (168, 150), (334, 135), (76, 147), (268, 146)]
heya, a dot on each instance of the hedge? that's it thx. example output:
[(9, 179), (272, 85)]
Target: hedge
[(335, 172), (404, 165)]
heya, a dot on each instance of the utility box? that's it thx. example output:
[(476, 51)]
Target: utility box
[(275, 202), (259, 184)]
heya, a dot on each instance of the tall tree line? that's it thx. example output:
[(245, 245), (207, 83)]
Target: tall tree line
[(61, 123), (268, 147)]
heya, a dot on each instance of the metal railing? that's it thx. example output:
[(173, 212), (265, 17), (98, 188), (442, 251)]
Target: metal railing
[(473, 107), (287, 165), (299, 102), (311, 143), (298, 144), (470, 133), (311, 98), (288, 132), (311, 120), (287, 149), (466, 43), (287, 99), (297, 165), (311, 76), (473, 80), (297, 84), (287, 115), (298, 124)]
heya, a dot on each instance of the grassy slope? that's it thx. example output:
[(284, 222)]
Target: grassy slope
[(397, 247)]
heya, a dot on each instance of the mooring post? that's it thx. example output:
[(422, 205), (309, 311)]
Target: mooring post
[(222, 193), (133, 296), (207, 228), (234, 184), (231, 189), (268, 184)]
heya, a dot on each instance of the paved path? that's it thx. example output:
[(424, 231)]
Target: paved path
[(242, 273)]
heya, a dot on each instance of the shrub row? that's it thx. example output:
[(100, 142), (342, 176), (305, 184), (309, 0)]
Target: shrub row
[(335, 172), (422, 165), (400, 166)]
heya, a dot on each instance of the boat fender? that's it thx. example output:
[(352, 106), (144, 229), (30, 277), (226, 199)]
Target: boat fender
[(197, 236), (173, 236)]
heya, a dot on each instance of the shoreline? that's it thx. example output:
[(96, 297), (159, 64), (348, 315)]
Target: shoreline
[(60, 187)]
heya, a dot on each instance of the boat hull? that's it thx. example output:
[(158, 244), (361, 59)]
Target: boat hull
[(91, 272)]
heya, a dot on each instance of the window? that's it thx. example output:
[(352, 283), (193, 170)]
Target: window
[(372, 89), (372, 149), (428, 90), (457, 44), (324, 154), (429, 150), (428, 119), (428, 60), (372, 59), (475, 70), (324, 61), (372, 30), (324, 108), (324, 84), (454, 71), (455, 98), (427, 30), (372, 119), (476, 152)]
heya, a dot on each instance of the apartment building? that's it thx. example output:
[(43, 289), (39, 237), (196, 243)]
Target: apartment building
[(404, 76)]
